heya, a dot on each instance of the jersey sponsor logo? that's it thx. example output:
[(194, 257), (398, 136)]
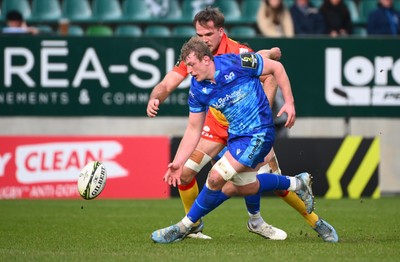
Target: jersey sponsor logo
[(249, 60), (221, 102), (205, 132), (230, 77), (255, 148)]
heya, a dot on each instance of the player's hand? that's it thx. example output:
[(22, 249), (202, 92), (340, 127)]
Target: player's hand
[(152, 107), (290, 110), (173, 175), (276, 53)]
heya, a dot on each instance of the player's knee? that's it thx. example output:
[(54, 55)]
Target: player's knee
[(187, 176), (214, 180), (197, 161), (224, 168)]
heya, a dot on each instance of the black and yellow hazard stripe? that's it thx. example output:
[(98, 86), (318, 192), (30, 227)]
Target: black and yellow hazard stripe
[(354, 170)]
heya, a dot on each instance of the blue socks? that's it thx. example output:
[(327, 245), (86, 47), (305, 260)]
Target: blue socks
[(206, 201), (209, 199), (253, 203), (271, 182), (268, 182)]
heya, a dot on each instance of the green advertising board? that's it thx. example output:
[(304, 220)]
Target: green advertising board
[(113, 76)]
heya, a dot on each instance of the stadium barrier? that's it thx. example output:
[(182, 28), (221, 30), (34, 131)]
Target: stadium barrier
[(46, 167), (342, 167)]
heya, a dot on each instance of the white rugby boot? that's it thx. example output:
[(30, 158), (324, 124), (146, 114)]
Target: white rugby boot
[(267, 231)]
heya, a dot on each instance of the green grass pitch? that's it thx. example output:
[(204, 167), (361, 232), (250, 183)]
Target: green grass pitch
[(119, 230)]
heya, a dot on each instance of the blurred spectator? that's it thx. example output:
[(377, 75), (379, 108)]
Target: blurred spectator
[(15, 24), (274, 19), (306, 18), (337, 18), (158, 8), (384, 20), (199, 5)]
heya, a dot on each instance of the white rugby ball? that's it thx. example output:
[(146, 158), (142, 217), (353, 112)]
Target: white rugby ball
[(91, 180)]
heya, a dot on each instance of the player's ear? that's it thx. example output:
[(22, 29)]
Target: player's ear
[(207, 59)]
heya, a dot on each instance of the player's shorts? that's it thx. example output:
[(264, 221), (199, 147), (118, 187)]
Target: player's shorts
[(214, 130), (250, 150)]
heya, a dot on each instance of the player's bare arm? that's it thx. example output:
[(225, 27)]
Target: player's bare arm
[(273, 53), (270, 87), (188, 144), (161, 91), (269, 84), (277, 69)]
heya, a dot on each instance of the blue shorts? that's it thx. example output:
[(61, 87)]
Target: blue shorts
[(250, 150)]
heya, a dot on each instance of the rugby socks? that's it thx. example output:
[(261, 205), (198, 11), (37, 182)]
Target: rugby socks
[(188, 194), (253, 209), (294, 201), (207, 201), (255, 219), (291, 198), (253, 203), (270, 182)]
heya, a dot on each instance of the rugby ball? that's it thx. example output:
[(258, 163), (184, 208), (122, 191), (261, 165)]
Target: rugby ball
[(91, 180)]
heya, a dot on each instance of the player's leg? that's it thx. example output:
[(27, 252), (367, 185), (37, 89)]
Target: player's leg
[(253, 201), (289, 197), (189, 189), (326, 231), (204, 152), (256, 224), (210, 197), (213, 140), (253, 155)]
